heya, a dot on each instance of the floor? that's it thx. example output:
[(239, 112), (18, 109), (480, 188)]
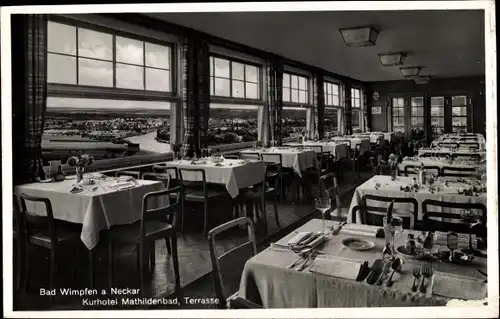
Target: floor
[(194, 259)]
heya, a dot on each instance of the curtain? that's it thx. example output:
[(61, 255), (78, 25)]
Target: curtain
[(348, 110), (29, 95), (319, 102), (274, 70), (196, 93), (367, 111)]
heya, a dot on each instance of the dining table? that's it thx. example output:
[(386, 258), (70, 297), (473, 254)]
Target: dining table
[(97, 205), (331, 278), (424, 151), (450, 190), (374, 137), (298, 159), (440, 163), (234, 174), (338, 150), (363, 142)]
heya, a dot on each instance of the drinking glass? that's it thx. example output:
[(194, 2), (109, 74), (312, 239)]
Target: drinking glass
[(323, 205), (472, 219)]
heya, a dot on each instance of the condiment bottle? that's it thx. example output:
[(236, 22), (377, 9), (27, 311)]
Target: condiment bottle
[(410, 244)]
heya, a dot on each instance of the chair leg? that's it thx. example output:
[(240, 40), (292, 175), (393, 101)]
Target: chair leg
[(24, 286), (152, 256), (111, 257), (53, 271), (91, 269), (176, 265), (264, 213), (169, 247), (205, 219), (20, 264), (276, 210), (183, 216)]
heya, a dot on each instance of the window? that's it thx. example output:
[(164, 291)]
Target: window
[(295, 88), (229, 78), (232, 123), (417, 116), (437, 115), (356, 109), (332, 122), (459, 113), (398, 111), (294, 121), (81, 56), (332, 94)]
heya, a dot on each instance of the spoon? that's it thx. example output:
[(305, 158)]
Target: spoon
[(396, 266), (337, 230), (301, 254)]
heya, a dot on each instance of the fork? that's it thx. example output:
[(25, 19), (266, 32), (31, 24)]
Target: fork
[(416, 275), (426, 273)]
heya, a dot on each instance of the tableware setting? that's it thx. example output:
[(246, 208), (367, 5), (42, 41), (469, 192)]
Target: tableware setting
[(358, 244)]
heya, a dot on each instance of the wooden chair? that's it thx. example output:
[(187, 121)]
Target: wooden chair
[(448, 144), (276, 158), (46, 233), (454, 171), (228, 267), (411, 169), (465, 156), (164, 178), (373, 215), (198, 192), (18, 241), (250, 155), (156, 223), (442, 225), (374, 164), (329, 188), (435, 154), (469, 145), (259, 194), (134, 174)]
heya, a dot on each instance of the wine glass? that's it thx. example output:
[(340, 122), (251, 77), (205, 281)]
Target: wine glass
[(472, 219), (323, 205)]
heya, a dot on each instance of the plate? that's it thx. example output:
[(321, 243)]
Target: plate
[(48, 180), (358, 244)]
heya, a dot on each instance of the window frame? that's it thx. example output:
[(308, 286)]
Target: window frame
[(417, 107), (443, 128), (466, 116), (230, 99), (91, 91), (403, 107), (308, 78), (326, 83), (359, 109)]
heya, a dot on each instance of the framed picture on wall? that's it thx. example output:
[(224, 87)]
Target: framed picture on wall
[(376, 110)]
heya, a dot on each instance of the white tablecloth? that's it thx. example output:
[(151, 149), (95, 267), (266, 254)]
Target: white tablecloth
[(365, 143), (297, 159), (339, 150), (266, 278), (234, 174), (95, 210), (438, 163), (392, 189), (444, 150)]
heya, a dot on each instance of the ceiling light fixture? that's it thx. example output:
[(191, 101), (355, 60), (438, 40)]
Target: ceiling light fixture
[(359, 37), (392, 59), (422, 79), (410, 71)]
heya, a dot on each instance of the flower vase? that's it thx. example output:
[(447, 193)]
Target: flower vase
[(79, 174), (394, 173)]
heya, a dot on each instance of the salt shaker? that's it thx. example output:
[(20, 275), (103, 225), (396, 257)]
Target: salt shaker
[(410, 244)]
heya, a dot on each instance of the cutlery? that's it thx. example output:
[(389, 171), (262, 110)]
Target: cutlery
[(301, 254), (416, 275), (482, 272), (385, 270), (396, 266), (377, 268), (312, 254), (337, 230), (426, 273)]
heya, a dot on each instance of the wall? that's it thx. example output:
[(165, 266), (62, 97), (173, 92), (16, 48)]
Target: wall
[(474, 85)]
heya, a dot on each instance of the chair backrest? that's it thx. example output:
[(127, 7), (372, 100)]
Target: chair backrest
[(230, 265), (348, 142), (435, 154), (374, 164), (200, 180), (165, 213), (329, 188), (134, 174), (441, 225), (470, 156), (250, 155), (164, 178), (469, 145), (272, 158), (32, 221), (454, 171), (448, 144), (411, 169), (317, 148), (373, 215)]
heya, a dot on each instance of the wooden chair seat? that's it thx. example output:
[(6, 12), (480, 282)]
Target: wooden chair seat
[(195, 194), (42, 238), (256, 193), (131, 233)]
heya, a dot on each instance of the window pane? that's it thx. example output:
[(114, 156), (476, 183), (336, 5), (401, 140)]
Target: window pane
[(458, 100), (459, 111), (417, 121), (252, 90), (91, 125), (286, 80), (158, 80), (331, 120), (295, 95), (417, 111), (456, 121), (294, 121), (238, 88), (61, 69), (286, 94), (328, 99), (417, 101), (93, 44), (302, 83), (238, 71), (222, 87), (158, 56), (302, 97), (61, 38), (212, 86), (295, 81), (437, 111), (129, 51), (252, 73), (211, 66), (129, 77), (230, 123), (93, 72), (437, 101), (336, 100), (221, 68), (335, 88), (439, 121), (326, 87)]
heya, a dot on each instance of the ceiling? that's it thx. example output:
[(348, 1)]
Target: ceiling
[(445, 43)]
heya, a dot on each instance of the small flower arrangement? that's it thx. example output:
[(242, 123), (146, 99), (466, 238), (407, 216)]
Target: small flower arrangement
[(81, 161), (393, 161)]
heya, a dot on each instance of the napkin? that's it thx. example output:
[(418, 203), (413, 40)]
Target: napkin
[(297, 239), (124, 185), (360, 230), (339, 267), (460, 287), (76, 189)]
